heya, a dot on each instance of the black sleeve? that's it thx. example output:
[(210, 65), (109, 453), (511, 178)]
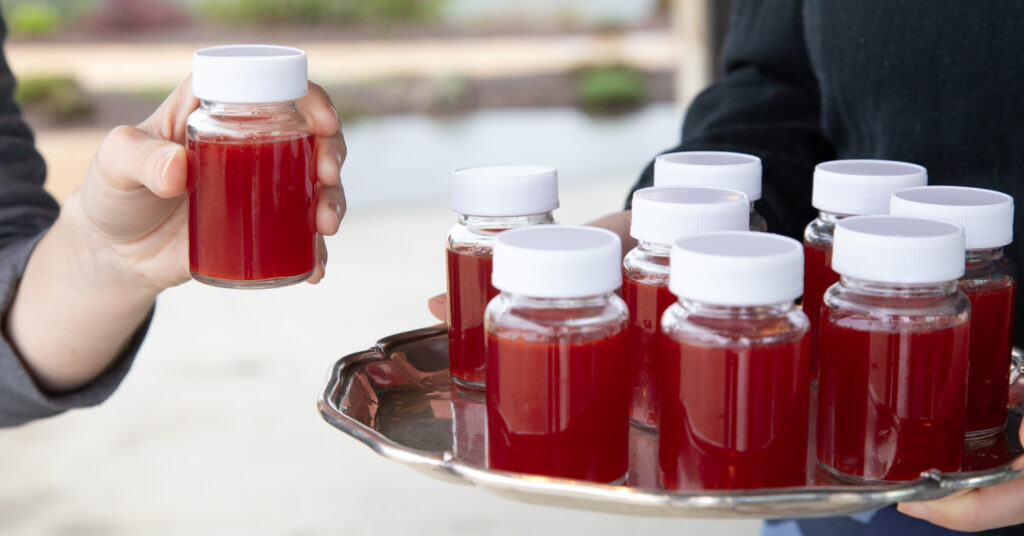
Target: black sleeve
[(26, 212), (767, 104)]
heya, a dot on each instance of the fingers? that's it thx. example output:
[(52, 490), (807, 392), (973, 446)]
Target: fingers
[(974, 510), (438, 306), (330, 209), (330, 155), (168, 121), (321, 261), (129, 158), (316, 106)]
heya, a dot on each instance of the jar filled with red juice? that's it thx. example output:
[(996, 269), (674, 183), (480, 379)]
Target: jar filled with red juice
[(845, 188), (717, 169), (894, 338), (661, 215), (990, 284), (488, 200), (557, 355), (734, 378), (251, 168)]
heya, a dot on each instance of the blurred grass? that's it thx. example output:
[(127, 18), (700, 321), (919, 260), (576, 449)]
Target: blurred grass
[(32, 20), (611, 88), (59, 97), (309, 11)]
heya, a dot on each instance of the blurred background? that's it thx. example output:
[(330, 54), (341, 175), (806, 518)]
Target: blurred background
[(215, 430)]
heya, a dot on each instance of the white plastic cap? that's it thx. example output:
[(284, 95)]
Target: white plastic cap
[(860, 187), (557, 261), (737, 268), (898, 249), (985, 215), (249, 74), (664, 213), (495, 191), (718, 169)]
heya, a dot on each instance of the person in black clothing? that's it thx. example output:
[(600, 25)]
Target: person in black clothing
[(935, 82)]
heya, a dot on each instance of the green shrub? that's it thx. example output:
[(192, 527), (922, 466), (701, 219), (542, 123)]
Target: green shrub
[(32, 20), (611, 88), (59, 97), (306, 11)]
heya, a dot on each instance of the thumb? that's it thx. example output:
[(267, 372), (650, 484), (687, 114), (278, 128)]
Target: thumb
[(130, 158)]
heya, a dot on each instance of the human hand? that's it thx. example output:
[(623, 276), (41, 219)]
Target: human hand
[(976, 509), (132, 211)]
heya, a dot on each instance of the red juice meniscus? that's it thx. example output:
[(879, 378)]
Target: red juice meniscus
[(894, 341), (844, 188), (990, 284), (251, 168), (715, 169), (661, 215), (557, 355), (734, 357), (488, 200)]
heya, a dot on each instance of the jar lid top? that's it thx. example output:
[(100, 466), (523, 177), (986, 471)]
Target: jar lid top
[(737, 268), (859, 187), (249, 74), (496, 191), (557, 261), (661, 214), (719, 169), (985, 215), (898, 249)]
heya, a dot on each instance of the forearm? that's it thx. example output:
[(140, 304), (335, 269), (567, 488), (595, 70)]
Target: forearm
[(75, 310)]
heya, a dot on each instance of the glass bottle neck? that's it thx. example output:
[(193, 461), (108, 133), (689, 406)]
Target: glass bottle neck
[(732, 311), (533, 302), (249, 109), (982, 256), (654, 248), (831, 218), (900, 290), (501, 223)]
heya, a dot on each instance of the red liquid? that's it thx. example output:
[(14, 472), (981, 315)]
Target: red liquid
[(734, 418), (891, 404), (251, 209), (559, 409), (818, 276), (469, 291), (646, 302), (991, 342)]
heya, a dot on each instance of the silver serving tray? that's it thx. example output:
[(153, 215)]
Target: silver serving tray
[(398, 399)]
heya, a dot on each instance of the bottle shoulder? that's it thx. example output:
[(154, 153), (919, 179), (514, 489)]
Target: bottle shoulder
[(989, 276), (646, 267), (692, 327), (819, 232), (846, 307), (555, 320), (203, 125)]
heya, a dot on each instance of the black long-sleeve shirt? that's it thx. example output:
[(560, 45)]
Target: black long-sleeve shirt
[(935, 82)]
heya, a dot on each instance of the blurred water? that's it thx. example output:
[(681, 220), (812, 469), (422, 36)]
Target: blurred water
[(410, 157)]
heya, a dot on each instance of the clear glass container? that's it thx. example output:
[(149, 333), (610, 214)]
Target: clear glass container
[(757, 221), (818, 273), (893, 378), (645, 291), (557, 395), (734, 396), (990, 283), (251, 194), (470, 245)]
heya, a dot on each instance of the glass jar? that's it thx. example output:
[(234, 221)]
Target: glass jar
[(557, 355), (990, 284), (734, 376), (489, 200), (717, 169), (660, 215), (894, 335), (845, 188), (251, 169)]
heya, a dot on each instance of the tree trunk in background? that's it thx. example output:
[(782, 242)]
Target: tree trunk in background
[(699, 28)]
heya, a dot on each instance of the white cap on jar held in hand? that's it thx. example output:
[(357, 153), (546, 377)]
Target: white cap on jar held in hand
[(718, 169), (662, 214), (862, 187), (985, 215), (557, 261), (496, 191), (249, 74), (737, 268), (898, 249)]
